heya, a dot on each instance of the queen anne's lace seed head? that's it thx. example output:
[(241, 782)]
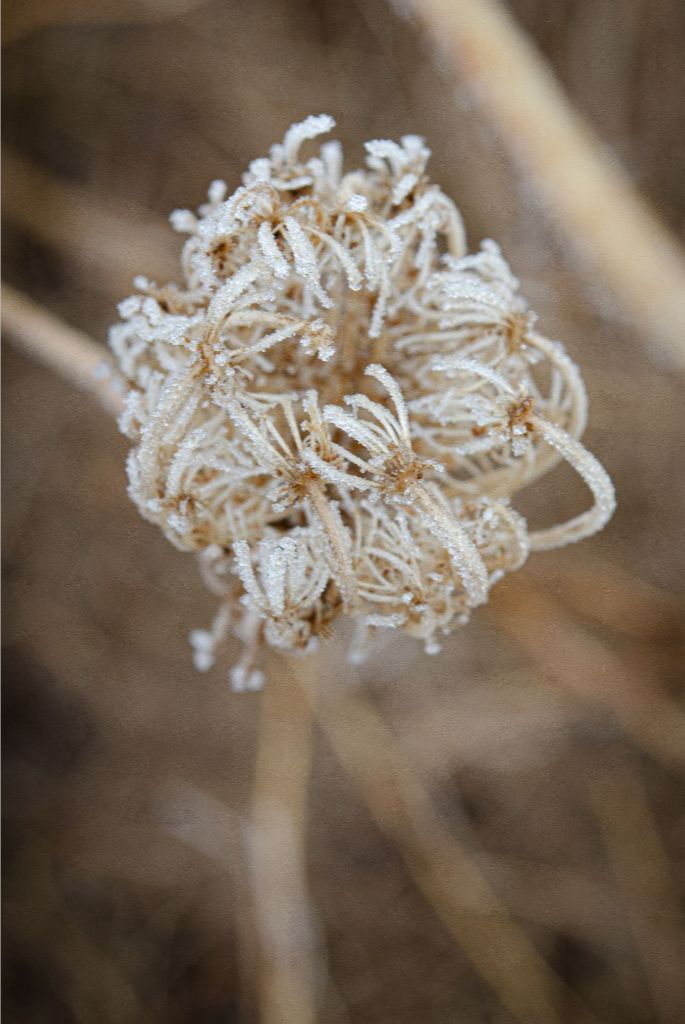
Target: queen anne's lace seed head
[(337, 405)]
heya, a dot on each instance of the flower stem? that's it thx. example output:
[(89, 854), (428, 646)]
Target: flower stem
[(285, 926)]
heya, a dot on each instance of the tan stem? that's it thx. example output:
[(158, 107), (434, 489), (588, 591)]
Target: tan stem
[(642, 872), (588, 195), (580, 664), (102, 237), (444, 871), (286, 935), (71, 353)]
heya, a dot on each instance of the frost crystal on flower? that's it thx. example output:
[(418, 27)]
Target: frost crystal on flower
[(337, 405)]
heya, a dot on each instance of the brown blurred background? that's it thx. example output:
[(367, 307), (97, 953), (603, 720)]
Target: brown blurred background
[(545, 734)]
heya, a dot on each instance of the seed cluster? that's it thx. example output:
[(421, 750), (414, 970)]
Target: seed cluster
[(336, 406)]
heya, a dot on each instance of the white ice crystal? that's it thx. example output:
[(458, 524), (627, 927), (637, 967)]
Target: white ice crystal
[(337, 405)]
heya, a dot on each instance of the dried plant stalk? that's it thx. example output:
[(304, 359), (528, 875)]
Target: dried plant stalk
[(588, 195), (288, 962), (64, 349), (642, 873), (585, 667), (444, 871), (83, 226)]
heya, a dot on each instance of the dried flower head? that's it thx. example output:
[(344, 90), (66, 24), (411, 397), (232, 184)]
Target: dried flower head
[(338, 403)]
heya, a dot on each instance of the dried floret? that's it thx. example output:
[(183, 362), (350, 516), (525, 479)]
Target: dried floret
[(337, 404)]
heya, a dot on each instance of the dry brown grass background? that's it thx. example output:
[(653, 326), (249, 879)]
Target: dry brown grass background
[(542, 749)]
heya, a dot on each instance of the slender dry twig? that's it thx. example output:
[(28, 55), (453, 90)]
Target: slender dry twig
[(582, 665), (589, 196), (23, 19), (641, 869), (600, 591), (100, 234), (444, 871), (286, 932), (64, 349)]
